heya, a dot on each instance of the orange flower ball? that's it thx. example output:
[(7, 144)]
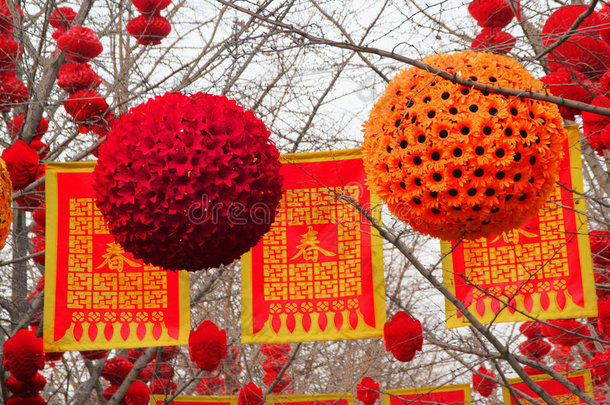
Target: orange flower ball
[(457, 163), (6, 213)]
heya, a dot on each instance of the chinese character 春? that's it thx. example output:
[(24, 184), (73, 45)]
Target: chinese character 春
[(115, 259), (309, 248)]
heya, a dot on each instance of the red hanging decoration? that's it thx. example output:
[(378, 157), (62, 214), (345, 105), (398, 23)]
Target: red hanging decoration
[(494, 40), (149, 30), (600, 367), (86, 106), (491, 13), (23, 355), (275, 349), (560, 337), (22, 164), (403, 336), (137, 394), (535, 349), (163, 387), (594, 126), (600, 246), (251, 394), (9, 52), (368, 391), (274, 364), (562, 19), (483, 385), (80, 44), (26, 388), (207, 346), (94, 354), (16, 123), (38, 243), (210, 386), (531, 330), (12, 91), (151, 7), (75, 76), (167, 162), (34, 400), (571, 85), (116, 369), (62, 17), (583, 53)]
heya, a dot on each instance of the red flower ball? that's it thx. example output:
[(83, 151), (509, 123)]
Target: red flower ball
[(94, 354), (116, 369), (210, 386), (275, 349), (80, 44), (403, 336), (163, 387), (33, 199), (75, 76), (570, 85), (23, 355), (16, 123), (558, 336), (368, 391), (600, 367), (34, 400), (207, 346), (586, 54), (9, 52), (562, 19), (22, 164), (482, 385), (27, 388), (137, 394), (86, 106), (12, 91), (594, 125), (600, 246), (171, 162), (535, 348), (149, 30), (62, 17), (494, 40), (251, 394), (151, 7), (491, 13)]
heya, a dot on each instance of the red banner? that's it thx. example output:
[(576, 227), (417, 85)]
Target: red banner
[(318, 399), (318, 273), (192, 400), (563, 395), (542, 269), (447, 394), (97, 296)]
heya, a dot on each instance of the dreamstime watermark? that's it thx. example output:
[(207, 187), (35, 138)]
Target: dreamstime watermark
[(235, 213)]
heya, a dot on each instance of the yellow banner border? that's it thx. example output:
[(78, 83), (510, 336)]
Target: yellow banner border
[(232, 399), (377, 265), (51, 242), (586, 373), (388, 394), (273, 399), (586, 265)]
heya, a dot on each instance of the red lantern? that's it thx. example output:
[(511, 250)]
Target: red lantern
[(75, 76), (22, 164), (275, 349), (600, 246), (274, 364), (151, 7), (80, 44), (368, 391), (27, 388), (12, 91), (483, 385), (570, 85), (137, 394), (23, 355), (494, 40), (94, 354), (491, 13), (593, 126), (35, 400), (251, 394), (600, 367), (16, 123), (149, 30), (562, 19), (583, 53), (163, 387), (86, 106), (535, 348), (558, 336), (207, 346), (403, 336), (210, 386), (9, 52), (532, 330), (116, 369)]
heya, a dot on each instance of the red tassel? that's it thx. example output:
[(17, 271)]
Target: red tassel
[(544, 300), (125, 331), (276, 323), (290, 322), (108, 331), (78, 331), (338, 320), (560, 298), (481, 306), (141, 331), (528, 302), (92, 331), (156, 332), (322, 321), (511, 304), (495, 305), (353, 319), (306, 322)]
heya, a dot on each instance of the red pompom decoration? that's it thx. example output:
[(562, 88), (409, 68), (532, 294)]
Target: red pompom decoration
[(12, 91), (531, 330), (494, 40), (137, 394), (16, 123), (23, 355), (27, 388), (535, 348), (34, 198), (207, 346), (210, 386), (86, 106), (116, 369), (594, 125), (482, 385), (600, 367), (22, 164), (368, 391), (34, 400), (403, 336), (109, 392), (600, 246), (62, 17), (274, 364), (167, 353), (275, 349), (558, 336), (586, 54), (569, 85), (149, 30), (160, 370), (9, 52), (562, 19), (151, 7), (80, 44), (251, 394), (94, 354), (168, 161), (163, 387), (75, 76), (491, 13)]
